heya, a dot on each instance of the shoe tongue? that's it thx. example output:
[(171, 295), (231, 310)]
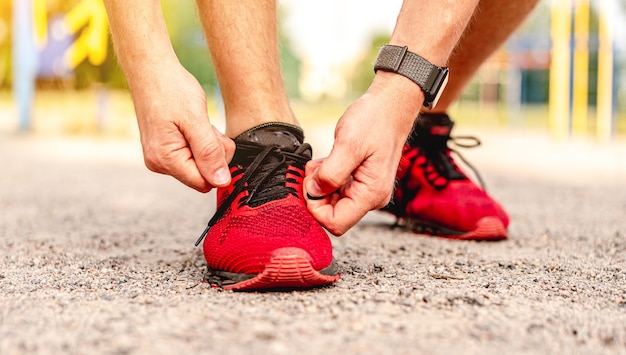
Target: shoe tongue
[(431, 133), (288, 139), (435, 124), (285, 136), (431, 130)]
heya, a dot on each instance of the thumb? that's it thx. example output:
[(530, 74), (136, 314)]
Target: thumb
[(227, 143), (331, 173), (209, 153)]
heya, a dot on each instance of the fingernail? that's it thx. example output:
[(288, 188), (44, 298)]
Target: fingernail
[(314, 198), (313, 190), (221, 177)]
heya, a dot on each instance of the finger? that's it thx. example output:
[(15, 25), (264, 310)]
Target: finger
[(311, 165), (309, 169), (187, 172), (174, 158), (337, 213), (332, 173), (208, 153)]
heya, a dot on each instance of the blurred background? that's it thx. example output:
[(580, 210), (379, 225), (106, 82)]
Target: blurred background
[(562, 74)]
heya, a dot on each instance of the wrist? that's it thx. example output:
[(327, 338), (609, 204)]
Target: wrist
[(400, 100), (141, 39), (145, 70), (401, 93)]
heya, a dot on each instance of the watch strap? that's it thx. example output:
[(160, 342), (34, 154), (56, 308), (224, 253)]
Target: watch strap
[(430, 78), (399, 60)]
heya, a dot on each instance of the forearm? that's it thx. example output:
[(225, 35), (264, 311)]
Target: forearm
[(142, 43), (430, 28)]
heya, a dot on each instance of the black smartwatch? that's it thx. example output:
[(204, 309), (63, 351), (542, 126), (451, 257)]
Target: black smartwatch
[(430, 78)]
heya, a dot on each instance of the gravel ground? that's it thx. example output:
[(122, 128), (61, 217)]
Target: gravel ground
[(96, 256)]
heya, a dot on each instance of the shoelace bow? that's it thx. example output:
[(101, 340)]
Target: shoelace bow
[(271, 176), (436, 155)]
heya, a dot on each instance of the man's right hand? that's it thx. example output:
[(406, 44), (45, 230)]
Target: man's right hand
[(176, 135)]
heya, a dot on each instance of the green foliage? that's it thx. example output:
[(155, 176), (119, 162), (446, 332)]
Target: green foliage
[(188, 41), (364, 70), (291, 66), (108, 73)]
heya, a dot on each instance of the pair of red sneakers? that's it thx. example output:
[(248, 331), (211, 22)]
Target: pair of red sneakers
[(263, 237)]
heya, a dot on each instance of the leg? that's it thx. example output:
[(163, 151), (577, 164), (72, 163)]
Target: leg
[(261, 235), (243, 39), (494, 20), (434, 195)]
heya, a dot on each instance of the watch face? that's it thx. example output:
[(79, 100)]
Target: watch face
[(434, 86), (440, 90)]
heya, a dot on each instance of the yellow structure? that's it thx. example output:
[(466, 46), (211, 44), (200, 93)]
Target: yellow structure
[(580, 85), (604, 121), (40, 22), (560, 69), (569, 70), (90, 17)]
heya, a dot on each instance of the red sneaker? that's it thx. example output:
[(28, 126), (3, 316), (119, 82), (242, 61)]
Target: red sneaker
[(433, 196), (262, 236)]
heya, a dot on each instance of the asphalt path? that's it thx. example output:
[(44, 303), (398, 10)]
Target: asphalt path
[(97, 256)]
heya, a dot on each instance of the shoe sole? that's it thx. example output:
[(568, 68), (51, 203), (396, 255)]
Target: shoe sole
[(288, 269), (488, 228)]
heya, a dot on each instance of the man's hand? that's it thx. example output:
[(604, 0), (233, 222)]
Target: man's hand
[(176, 134), (358, 175), (170, 104)]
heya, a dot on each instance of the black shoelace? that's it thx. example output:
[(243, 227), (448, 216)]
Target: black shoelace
[(264, 179), (436, 153)]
